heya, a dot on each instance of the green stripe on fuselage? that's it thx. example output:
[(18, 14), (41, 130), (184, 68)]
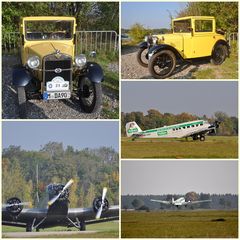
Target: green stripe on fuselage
[(181, 125)]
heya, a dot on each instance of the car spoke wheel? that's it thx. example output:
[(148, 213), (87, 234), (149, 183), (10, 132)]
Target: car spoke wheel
[(22, 101), (162, 64), (219, 54), (142, 57), (90, 95)]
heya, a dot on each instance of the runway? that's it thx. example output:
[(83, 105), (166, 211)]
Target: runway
[(43, 234)]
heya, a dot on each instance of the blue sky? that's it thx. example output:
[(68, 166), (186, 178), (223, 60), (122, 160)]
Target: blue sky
[(195, 97), (149, 14), (82, 134)]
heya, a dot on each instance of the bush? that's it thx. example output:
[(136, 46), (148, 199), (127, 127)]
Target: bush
[(137, 32)]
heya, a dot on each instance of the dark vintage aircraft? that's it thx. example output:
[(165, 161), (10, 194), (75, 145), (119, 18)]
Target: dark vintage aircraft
[(57, 212)]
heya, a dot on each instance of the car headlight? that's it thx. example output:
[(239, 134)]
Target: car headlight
[(80, 60), (155, 39), (33, 62)]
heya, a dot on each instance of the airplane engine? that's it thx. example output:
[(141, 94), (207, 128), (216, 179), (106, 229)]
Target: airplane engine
[(97, 204), (14, 206)]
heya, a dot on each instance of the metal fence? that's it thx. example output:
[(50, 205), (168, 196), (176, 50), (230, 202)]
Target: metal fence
[(232, 38), (86, 41)]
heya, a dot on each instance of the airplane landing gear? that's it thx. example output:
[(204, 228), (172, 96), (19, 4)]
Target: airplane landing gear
[(202, 138), (29, 227), (82, 226)]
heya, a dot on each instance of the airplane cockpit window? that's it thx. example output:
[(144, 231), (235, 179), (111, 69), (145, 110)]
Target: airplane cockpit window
[(54, 189)]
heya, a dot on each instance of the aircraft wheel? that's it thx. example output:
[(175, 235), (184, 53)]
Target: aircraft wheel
[(82, 226), (202, 138), (195, 138), (37, 230), (29, 228)]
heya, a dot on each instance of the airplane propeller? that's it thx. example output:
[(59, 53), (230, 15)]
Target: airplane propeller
[(99, 212), (54, 199)]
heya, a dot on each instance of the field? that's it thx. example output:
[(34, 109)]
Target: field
[(212, 147), (181, 224), (104, 230)]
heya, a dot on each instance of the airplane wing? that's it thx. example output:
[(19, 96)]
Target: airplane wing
[(25, 216), (197, 132), (195, 202), (88, 215), (161, 201)]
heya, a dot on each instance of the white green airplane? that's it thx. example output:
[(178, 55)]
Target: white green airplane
[(179, 202), (195, 129)]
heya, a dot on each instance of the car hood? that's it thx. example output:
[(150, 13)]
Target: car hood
[(45, 48)]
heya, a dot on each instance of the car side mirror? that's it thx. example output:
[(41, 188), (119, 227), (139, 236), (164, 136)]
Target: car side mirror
[(93, 54)]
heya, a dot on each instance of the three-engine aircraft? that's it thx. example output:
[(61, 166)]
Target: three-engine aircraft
[(179, 202), (57, 212), (195, 129)]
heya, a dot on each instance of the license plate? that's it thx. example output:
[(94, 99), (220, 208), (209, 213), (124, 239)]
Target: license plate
[(57, 84), (56, 95)]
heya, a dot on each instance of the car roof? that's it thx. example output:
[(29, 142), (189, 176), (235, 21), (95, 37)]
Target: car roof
[(194, 17), (40, 18)]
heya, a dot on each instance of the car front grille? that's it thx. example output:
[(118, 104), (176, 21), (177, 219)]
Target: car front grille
[(57, 65)]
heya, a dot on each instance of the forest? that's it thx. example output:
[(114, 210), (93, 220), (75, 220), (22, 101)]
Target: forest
[(89, 15), (154, 119), (91, 169), (142, 202)]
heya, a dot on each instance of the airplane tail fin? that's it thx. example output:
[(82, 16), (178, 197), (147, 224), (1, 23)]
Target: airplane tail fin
[(132, 128)]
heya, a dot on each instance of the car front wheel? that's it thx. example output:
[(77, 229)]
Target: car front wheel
[(219, 54), (90, 95), (22, 102), (162, 64), (142, 57)]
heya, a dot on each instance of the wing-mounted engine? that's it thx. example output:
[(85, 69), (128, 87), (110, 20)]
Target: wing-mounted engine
[(97, 202), (14, 206), (100, 204)]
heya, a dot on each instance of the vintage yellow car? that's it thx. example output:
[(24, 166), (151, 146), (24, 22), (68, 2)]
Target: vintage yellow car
[(192, 37), (50, 69)]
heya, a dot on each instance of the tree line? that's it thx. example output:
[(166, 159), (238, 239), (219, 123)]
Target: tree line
[(91, 169), (89, 15), (142, 202), (154, 119)]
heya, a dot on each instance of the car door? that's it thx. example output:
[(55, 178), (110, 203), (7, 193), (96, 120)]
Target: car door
[(203, 38)]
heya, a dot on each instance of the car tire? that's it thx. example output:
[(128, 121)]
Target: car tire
[(22, 102), (90, 95), (219, 54), (166, 55), (140, 55)]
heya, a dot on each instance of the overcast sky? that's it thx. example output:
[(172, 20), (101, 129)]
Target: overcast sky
[(79, 134), (179, 177), (199, 98), (149, 14)]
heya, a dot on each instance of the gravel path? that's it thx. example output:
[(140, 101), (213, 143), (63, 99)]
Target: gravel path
[(39, 109), (130, 69)]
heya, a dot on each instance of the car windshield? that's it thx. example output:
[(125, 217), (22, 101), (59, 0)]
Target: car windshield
[(182, 26), (45, 30)]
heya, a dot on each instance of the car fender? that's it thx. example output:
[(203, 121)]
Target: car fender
[(21, 77), (94, 72), (143, 45), (161, 47), (221, 41)]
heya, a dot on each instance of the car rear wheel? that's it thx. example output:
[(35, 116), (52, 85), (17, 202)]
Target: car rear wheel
[(142, 57), (22, 102), (90, 95), (219, 54), (162, 64)]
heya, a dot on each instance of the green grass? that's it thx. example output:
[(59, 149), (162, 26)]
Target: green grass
[(104, 230), (227, 70), (212, 147), (110, 83), (181, 224)]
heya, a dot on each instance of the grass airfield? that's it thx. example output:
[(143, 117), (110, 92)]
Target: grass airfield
[(180, 224), (212, 147), (100, 230)]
